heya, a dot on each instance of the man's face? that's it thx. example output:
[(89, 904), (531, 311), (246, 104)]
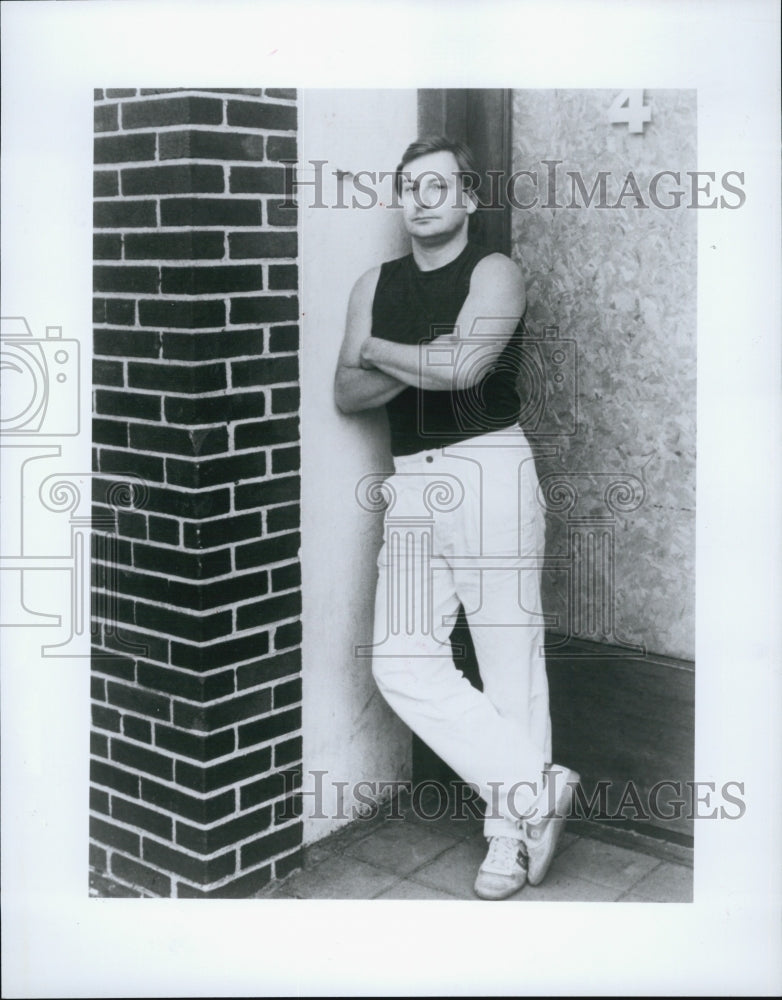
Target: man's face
[(434, 205)]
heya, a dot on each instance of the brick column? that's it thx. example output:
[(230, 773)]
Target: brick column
[(197, 600)]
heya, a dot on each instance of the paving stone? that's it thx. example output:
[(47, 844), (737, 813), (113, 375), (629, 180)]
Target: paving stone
[(336, 843), (605, 864), (340, 877), (400, 847), (565, 841), (560, 887), (414, 890), (668, 883), (455, 870), (366, 862)]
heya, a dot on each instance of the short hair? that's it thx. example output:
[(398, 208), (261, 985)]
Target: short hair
[(463, 155)]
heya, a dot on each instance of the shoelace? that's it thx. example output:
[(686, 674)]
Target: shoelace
[(505, 853)]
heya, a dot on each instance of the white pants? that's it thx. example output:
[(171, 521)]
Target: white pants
[(464, 525)]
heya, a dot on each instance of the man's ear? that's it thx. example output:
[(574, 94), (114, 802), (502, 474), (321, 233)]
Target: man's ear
[(470, 180)]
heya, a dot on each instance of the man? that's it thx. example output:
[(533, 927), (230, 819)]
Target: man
[(434, 336)]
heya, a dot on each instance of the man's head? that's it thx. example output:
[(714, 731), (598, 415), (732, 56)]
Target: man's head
[(435, 178), (462, 153)]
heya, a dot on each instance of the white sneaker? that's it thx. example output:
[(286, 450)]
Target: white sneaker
[(542, 835), (504, 870)]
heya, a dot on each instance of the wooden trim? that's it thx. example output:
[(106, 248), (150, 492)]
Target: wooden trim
[(482, 119)]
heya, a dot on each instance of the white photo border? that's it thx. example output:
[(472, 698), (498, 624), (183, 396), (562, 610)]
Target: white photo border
[(59, 942)]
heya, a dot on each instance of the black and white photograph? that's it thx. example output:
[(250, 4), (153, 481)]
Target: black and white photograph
[(390, 513)]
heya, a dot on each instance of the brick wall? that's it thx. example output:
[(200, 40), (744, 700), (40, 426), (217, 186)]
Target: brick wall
[(196, 682)]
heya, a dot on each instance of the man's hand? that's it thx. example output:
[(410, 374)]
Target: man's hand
[(365, 357)]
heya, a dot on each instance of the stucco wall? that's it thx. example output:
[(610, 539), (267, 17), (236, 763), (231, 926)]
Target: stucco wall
[(621, 283), (349, 731)]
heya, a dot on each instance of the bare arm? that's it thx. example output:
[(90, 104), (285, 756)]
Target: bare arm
[(358, 384), (484, 325)]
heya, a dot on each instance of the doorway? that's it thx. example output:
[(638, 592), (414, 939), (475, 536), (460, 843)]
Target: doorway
[(622, 709)]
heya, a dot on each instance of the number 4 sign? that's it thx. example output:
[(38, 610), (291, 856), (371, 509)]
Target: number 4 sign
[(628, 108)]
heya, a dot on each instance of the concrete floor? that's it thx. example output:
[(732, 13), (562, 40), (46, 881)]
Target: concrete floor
[(415, 858)]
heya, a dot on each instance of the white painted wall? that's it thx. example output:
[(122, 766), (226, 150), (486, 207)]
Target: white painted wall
[(349, 731)]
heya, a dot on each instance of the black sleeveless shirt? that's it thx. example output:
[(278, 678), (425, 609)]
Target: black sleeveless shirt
[(412, 306)]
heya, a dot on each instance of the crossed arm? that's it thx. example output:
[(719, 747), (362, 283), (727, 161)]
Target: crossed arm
[(371, 371)]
